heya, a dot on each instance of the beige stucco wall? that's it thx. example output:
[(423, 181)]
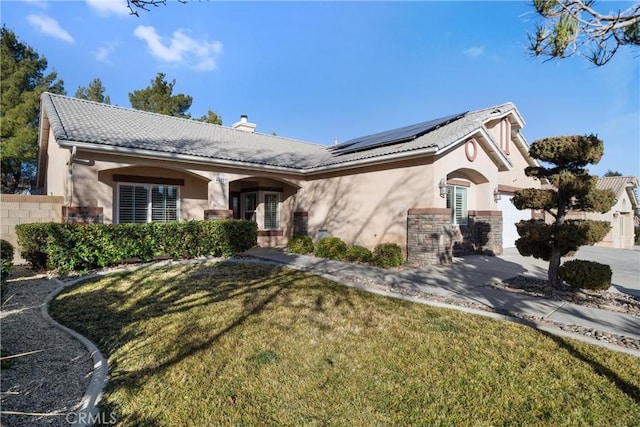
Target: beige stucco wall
[(57, 169), (367, 206), (620, 217)]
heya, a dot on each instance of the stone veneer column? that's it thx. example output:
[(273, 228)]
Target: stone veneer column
[(488, 231), (483, 234), (82, 215), (430, 236), (218, 214), (301, 223)]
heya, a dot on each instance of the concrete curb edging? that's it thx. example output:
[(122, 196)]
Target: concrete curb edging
[(87, 413)]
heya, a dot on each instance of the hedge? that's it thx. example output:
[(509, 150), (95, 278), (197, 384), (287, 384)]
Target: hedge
[(83, 247), (6, 260)]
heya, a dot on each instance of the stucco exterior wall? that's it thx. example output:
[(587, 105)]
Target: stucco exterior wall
[(367, 206), (57, 169)]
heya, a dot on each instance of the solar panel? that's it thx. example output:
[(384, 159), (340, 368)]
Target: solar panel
[(394, 136)]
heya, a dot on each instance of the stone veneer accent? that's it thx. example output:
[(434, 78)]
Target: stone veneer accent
[(301, 223), (218, 214), (432, 239), (430, 236), (483, 234), (82, 214)]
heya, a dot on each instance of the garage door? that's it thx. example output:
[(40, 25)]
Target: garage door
[(510, 215)]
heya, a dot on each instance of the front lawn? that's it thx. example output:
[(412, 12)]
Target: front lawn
[(247, 344)]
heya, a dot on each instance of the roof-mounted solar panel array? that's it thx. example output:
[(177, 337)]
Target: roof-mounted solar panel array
[(394, 136)]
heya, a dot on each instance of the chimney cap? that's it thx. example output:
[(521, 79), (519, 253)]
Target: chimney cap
[(243, 117)]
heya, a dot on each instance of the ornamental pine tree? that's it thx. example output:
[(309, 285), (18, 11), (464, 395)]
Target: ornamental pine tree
[(571, 188)]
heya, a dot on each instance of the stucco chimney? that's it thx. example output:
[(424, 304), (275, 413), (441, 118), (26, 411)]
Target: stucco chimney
[(244, 125)]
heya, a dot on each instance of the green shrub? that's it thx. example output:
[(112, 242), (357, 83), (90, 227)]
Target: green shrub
[(583, 274), (32, 240), (300, 245), (82, 247), (359, 254), (637, 236), (331, 248), (387, 255), (6, 260)]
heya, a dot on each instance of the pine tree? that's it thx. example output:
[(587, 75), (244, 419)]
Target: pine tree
[(571, 189), (23, 81), (211, 117), (95, 92), (158, 98)]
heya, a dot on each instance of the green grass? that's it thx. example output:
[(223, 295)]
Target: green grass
[(247, 344)]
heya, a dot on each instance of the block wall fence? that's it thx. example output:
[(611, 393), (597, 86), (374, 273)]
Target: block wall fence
[(25, 209)]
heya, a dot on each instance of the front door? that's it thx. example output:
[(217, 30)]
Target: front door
[(234, 204)]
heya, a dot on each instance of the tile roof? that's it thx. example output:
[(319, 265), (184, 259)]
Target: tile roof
[(619, 185), (107, 126)]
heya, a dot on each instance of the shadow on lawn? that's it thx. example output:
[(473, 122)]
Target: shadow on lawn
[(106, 314)]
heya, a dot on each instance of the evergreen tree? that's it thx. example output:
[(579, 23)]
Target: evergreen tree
[(571, 189), (23, 81), (580, 27), (158, 98), (211, 117), (95, 92)]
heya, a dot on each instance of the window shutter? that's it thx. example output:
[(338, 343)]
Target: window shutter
[(164, 204), (271, 211), (461, 205), (133, 203)]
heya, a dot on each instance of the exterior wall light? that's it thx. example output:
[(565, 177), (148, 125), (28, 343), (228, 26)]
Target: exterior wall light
[(496, 195), (443, 188)]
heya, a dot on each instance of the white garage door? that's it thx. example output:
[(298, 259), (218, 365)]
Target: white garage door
[(510, 215)]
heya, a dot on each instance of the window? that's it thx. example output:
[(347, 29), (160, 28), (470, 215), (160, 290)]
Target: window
[(271, 211), (505, 135), (147, 203), (457, 202), (249, 203)]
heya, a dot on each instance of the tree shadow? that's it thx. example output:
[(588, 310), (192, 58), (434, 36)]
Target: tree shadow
[(623, 385), (125, 300)]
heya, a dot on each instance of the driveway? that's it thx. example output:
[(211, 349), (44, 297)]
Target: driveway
[(625, 264)]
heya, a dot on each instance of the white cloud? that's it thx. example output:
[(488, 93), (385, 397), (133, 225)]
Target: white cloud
[(197, 54), (474, 51), (106, 7), (50, 26), (102, 53)]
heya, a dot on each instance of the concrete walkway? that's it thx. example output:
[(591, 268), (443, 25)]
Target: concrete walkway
[(469, 279)]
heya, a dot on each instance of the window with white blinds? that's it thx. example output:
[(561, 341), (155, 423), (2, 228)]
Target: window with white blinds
[(147, 203), (457, 202), (271, 211), (249, 204)]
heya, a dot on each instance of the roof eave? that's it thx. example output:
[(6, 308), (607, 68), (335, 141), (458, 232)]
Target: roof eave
[(160, 155)]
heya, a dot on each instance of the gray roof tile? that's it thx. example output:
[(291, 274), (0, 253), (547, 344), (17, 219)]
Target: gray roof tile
[(77, 120)]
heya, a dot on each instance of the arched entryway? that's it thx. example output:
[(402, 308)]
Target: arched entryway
[(267, 201)]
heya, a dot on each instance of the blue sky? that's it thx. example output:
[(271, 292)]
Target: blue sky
[(317, 71)]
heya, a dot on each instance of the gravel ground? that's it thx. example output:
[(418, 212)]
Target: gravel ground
[(50, 382)]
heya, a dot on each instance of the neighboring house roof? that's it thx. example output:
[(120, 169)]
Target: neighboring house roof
[(103, 127), (621, 185)]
